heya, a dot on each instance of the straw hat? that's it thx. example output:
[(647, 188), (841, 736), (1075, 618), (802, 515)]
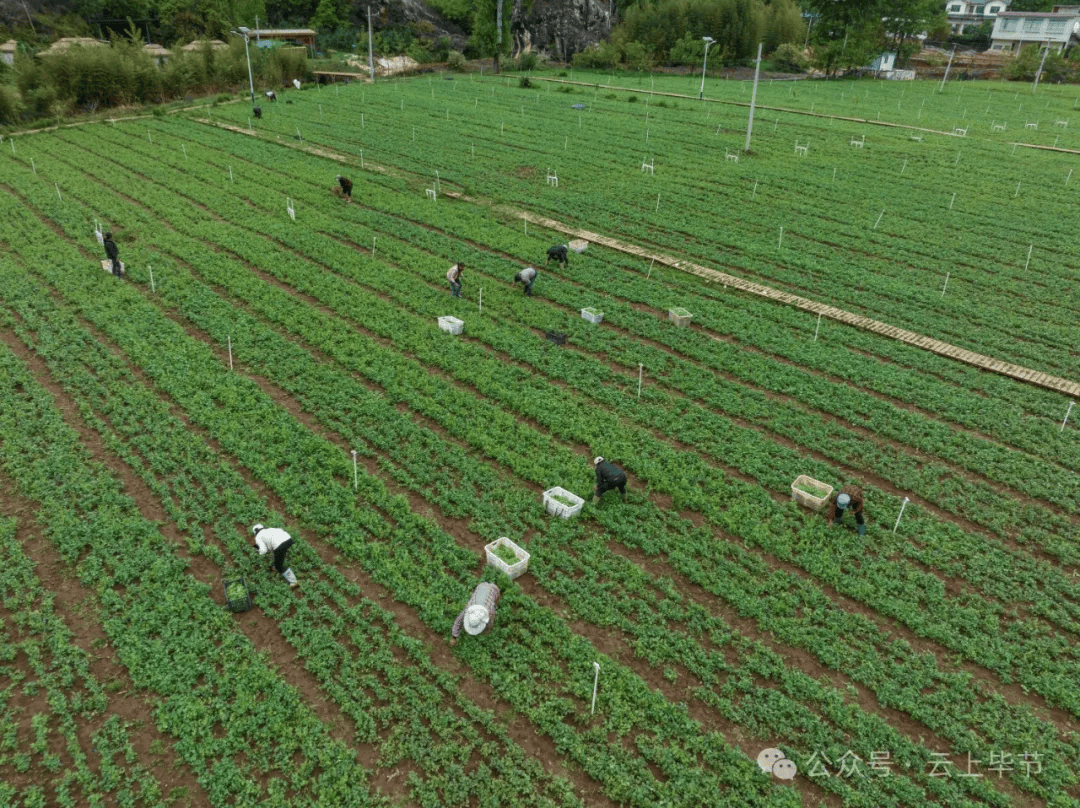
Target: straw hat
[(476, 619)]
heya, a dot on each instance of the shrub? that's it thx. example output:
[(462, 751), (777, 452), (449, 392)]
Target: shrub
[(789, 58), (527, 61), (10, 104), (524, 83), (632, 99), (455, 60)]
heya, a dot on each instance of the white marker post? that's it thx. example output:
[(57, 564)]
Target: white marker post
[(1028, 261), (596, 681), (1069, 177), (653, 261), (903, 167), (230, 175), (780, 243), (1017, 189), (817, 328), (373, 246), (879, 219), (1066, 416), (184, 148), (640, 367), (151, 268), (904, 505), (34, 167), (355, 479), (946, 286), (58, 191), (481, 306), (230, 351), (657, 204), (149, 138), (952, 200)]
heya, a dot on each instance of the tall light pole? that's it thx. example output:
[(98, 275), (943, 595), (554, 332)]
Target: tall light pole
[(244, 33), (708, 41)]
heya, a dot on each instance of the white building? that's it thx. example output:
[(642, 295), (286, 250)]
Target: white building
[(7, 52), (971, 14), (1060, 29)]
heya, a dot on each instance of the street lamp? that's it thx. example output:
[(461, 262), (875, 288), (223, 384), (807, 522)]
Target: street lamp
[(708, 41), (244, 33)]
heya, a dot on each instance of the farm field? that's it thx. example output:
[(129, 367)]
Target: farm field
[(257, 367)]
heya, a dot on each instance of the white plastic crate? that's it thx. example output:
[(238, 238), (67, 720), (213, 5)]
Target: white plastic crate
[(514, 570), (107, 266), (815, 503), (592, 315), (451, 324), (679, 316), (557, 508), (578, 245)]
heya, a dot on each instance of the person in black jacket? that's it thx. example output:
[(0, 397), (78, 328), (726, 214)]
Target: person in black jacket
[(608, 476), (559, 253), (257, 112), (346, 187), (113, 254)]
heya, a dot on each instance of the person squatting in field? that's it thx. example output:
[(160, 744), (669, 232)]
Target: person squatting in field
[(608, 477), (527, 277), (277, 541), (478, 615), (849, 498), (346, 187)]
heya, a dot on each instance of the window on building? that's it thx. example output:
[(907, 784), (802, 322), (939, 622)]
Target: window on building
[(955, 7), (1032, 25), (979, 10), (995, 9), (1055, 26), (1008, 25)]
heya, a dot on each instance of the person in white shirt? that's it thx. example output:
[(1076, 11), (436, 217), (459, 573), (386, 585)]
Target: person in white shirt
[(277, 541)]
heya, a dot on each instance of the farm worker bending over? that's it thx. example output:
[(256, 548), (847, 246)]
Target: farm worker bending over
[(277, 541), (608, 477), (527, 277), (849, 498), (454, 276), (559, 253), (346, 187), (270, 94), (257, 112), (113, 254), (479, 613)]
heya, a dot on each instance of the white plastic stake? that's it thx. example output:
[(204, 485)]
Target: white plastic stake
[(361, 159), (58, 192), (481, 301), (903, 167), (834, 174), (373, 246), (564, 140), (1017, 189), (526, 220), (361, 120), (355, 479), (34, 167), (946, 286), (650, 268), (149, 138), (184, 148), (780, 243), (904, 505), (230, 351), (438, 182), (818, 327), (152, 287), (639, 370), (952, 200), (657, 204), (12, 142), (230, 175), (1026, 263), (596, 681), (1066, 416), (957, 160), (1066, 179), (754, 192), (879, 219)]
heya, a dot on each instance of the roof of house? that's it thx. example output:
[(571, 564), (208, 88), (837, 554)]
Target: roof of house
[(10, 46), (196, 44), (281, 32), (156, 50), (1061, 15), (69, 42)]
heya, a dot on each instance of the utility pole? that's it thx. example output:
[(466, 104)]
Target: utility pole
[(949, 65), (498, 33), (753, 99), (1039, 71), (370, 52)]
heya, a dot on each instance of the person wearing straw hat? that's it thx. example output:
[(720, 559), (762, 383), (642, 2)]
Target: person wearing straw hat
[(608, 477), (527, 277), (346, 187), (560, 253), (850, 498), (277, 541), (478, 615)]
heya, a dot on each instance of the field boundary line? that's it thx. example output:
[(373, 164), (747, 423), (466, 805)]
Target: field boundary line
[(945, 349)]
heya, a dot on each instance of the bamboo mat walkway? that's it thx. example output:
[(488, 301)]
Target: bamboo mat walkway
[(981, 361)]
